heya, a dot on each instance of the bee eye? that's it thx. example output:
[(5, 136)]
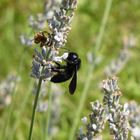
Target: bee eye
[(72, 57)]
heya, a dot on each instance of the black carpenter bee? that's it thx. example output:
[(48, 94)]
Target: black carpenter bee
[(65, 72)]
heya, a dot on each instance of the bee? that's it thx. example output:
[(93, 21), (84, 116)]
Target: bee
[(41, 38), (68, 71), (44, 38)]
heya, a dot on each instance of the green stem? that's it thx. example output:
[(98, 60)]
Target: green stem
[(90, 69), (103, 26), (36, 99), (34, 109), (49, 113), (81, 104)]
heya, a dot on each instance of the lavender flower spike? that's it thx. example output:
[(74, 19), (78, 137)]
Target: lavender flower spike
[(50, 42), (110, 111)]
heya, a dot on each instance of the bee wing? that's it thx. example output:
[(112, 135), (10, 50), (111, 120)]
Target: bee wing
[(60, 77), (73, 83)]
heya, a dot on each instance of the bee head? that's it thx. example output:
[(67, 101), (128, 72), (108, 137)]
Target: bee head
[(73, 59)]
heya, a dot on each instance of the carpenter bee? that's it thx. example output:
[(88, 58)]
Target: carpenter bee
[(68, 71)]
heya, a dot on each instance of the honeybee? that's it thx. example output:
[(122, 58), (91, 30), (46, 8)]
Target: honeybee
[(44, 38), (41, 38)]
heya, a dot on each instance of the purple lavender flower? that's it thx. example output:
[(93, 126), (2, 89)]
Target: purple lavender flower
[(51, 42)]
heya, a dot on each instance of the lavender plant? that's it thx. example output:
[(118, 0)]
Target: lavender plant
[(50, 43), (6, 89), (111, 111), (134, 119), (39, 21), (94, 59), (118, 63), (59, 27)]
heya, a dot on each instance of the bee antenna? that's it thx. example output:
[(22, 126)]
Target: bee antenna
[(66, 49)]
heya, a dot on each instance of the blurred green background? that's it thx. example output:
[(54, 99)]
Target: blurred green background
[(123, 21)]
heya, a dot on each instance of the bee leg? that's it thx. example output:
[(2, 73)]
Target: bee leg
[(56, 69), (58, 64)]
